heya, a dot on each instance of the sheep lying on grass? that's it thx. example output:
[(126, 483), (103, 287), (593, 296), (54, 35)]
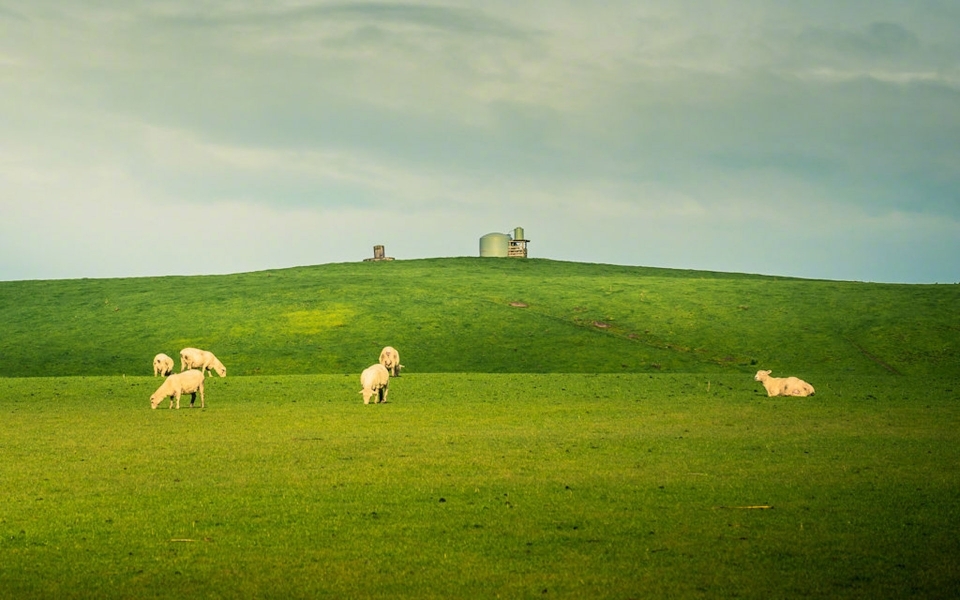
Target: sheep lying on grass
[(375, 380), (783, 386), (162, 365), (188, 382), (192, 358), (390, 358)]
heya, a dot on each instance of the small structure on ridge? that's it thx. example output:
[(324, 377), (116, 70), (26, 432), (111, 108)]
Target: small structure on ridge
[(378, 254), (502, 245)]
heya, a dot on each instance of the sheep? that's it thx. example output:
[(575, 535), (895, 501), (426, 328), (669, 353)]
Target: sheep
[(192, 358), (390, 358), (374, 380), (784, 386), (187, 382), (162, 365)]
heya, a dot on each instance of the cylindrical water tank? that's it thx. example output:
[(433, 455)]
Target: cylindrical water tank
[(495, 244), (518, 233)]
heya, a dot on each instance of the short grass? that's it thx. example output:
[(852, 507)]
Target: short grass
[(457, 315), (561, 430), (481, 486)]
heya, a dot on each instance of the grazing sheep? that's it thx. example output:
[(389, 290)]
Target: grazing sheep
[(162, 365), (390, 358), (784, 386), (187, 382), (192, 358), (374, 380)]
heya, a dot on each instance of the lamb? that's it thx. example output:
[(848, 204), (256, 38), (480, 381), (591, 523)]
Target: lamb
[(187, 382), (192, 358), (374, 380), (390, 358), (162, 365), (784, 386)]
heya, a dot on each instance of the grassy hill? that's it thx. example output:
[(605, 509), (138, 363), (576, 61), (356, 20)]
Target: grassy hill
[(462, 315), (644, 462)]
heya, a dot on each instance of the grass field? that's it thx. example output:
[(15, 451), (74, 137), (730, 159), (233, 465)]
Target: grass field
[(455, 315), (607, 440), (478, 485)]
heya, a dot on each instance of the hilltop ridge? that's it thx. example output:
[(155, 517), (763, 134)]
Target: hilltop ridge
[(479, 315)]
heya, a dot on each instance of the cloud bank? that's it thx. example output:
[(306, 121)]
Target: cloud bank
[(815, 139)]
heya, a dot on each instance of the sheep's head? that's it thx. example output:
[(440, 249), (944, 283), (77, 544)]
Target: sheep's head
[(222, 371), (761, 375), (155, 400), (367, 393)]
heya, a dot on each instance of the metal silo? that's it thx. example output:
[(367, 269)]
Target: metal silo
[(495, 244)]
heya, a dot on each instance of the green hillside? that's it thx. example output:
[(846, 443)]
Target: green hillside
[(458, 315)]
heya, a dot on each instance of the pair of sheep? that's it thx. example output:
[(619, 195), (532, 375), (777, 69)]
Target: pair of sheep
[(194, 364), (376, 378), (190, 358), (783, 386)]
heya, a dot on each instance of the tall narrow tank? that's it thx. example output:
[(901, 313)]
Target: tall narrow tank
[(518, 233), (495, 244)]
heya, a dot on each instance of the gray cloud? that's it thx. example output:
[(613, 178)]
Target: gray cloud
[(654, 118), (878, 42)]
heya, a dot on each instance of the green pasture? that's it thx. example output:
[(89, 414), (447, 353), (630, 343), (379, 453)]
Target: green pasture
[(560, 430), (456, 315), (481, 486)]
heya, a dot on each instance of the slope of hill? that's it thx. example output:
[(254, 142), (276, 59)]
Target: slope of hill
[(481, 315)]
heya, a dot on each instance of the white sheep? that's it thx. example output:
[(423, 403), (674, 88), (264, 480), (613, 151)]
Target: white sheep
[(187, 382), (390, 358), (162, 365), (783, 386), (192, 358), (375, 380)]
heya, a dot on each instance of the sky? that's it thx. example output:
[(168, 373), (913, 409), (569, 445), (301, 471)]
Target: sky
[(806, 138)]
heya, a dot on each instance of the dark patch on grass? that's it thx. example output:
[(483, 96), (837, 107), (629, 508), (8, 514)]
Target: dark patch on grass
[(873, 358)]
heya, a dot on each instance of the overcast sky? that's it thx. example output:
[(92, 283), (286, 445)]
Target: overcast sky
[(811, 138)]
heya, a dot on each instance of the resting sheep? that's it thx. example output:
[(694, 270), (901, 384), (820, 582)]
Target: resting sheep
[(783, 386), (187, 382), (162, 365), (192, 358), (390, 358), (374, 380)]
